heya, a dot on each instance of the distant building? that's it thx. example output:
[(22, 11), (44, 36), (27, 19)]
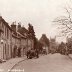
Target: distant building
[(53, 45), (45, 43)]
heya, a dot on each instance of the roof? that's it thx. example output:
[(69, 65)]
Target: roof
[(18, 35), (44, 40), (23, 30), (5, 23), (22, 36)]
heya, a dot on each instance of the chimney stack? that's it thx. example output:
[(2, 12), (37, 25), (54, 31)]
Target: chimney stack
[(19, 27), (13, 26)]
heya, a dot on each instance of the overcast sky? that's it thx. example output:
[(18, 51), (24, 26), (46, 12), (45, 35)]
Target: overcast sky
[(40, 13)]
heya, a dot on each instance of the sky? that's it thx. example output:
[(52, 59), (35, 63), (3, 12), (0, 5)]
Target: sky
[(40, 13)]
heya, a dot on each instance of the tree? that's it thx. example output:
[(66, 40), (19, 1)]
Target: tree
[(69, 45), (61, 48), (65, 26), (65, 23), (31, 34)]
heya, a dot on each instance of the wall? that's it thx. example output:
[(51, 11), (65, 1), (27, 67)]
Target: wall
[(6, 36)]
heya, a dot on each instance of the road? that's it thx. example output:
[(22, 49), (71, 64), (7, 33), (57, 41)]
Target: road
[(47, 63)]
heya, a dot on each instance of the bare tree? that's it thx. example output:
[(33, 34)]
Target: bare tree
[(65, 23)]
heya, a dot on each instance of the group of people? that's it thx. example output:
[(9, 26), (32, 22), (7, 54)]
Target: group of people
[(32, 53)]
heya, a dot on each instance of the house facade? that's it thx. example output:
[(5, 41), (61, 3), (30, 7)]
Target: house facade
[(22, 42), (12, 42), (5, 39)]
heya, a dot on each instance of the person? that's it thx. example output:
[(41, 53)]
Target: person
[(37, 53), (19, 52), (32, 53), (28, 53)]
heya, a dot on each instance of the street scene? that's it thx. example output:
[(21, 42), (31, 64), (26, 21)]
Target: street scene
[(35, 36)]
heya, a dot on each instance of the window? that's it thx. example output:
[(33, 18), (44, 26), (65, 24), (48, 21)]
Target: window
[(8, 49), (7, 33), (1, 26), (5, 48)]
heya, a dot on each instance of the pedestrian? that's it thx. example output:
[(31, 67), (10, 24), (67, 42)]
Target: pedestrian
[(37, 53), (28, 53)]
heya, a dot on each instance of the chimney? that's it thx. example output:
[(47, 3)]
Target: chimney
[(19, 27), (13, 26)]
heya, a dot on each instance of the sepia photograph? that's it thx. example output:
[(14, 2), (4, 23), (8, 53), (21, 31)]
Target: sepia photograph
[(35, 35)]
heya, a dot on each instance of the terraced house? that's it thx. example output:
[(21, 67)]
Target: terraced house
[(19, 42), (14, 40), (5, 39)]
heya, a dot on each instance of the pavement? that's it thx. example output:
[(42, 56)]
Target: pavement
[(70, 56), (9, 64)]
